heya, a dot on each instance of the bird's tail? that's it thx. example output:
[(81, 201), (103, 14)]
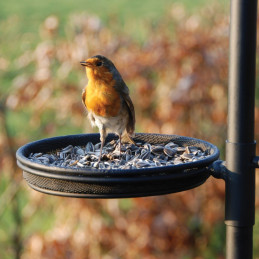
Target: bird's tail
[(126, 138)]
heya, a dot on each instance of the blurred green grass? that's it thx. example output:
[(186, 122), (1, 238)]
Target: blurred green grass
[(33, 11), (26, 16)]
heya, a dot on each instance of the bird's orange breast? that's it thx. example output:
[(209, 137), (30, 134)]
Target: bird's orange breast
[(102, 99)]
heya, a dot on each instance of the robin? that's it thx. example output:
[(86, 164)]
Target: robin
[(106, 98)]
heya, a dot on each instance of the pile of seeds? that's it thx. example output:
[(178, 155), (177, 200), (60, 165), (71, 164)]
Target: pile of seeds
[(132, 156)]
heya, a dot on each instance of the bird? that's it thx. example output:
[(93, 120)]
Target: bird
[(107, 101)]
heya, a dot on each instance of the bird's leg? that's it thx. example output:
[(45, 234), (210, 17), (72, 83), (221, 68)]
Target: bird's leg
[(102, 138), (120, 143)]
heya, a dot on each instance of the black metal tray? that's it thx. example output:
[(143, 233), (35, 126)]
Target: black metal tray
[(95, 183)]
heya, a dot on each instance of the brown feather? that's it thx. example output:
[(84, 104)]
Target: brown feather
[(83, 97), (123, 89), (131, 123)]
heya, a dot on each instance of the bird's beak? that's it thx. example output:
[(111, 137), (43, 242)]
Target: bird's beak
[(85, 64)]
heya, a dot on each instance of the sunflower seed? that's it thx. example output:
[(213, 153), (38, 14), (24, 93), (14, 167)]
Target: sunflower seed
[(37, 154), (79, 164), (67, 149), (144, 154), (180, 149), (142, 163), (43, 159), (95, 164), (141, 155), (147, 146), (79, 151), (187, 156), (89, 147), (97, 146), (157, 150), (169, 151), (157, 163), (171, 145)]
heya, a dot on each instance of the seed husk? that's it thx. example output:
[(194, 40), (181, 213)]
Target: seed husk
[(141, 155)]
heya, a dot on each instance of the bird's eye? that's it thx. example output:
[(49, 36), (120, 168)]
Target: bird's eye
[(99, 63)]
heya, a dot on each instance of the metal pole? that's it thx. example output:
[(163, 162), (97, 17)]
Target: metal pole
[(240, 146)]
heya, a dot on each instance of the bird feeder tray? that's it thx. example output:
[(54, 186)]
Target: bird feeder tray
[(114, 183)]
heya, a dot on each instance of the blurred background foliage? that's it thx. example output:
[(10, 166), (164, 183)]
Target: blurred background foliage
[(174, 57)]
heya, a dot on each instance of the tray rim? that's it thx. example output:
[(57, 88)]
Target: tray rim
[(110, 173)]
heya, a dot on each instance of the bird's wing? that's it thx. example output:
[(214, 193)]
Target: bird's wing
[(131, 123), (83, 98), (123, 89), (124, 92)]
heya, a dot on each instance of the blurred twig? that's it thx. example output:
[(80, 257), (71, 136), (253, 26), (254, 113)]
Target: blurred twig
[(8, 196), (11, 193)]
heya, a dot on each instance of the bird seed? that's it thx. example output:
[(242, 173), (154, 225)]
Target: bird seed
[(141, 155)]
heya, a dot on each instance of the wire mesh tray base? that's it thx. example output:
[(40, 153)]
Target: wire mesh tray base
[(114, 183)]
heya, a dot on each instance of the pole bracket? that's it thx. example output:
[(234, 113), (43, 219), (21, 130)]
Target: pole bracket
[(256, 161), (218, 169)]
